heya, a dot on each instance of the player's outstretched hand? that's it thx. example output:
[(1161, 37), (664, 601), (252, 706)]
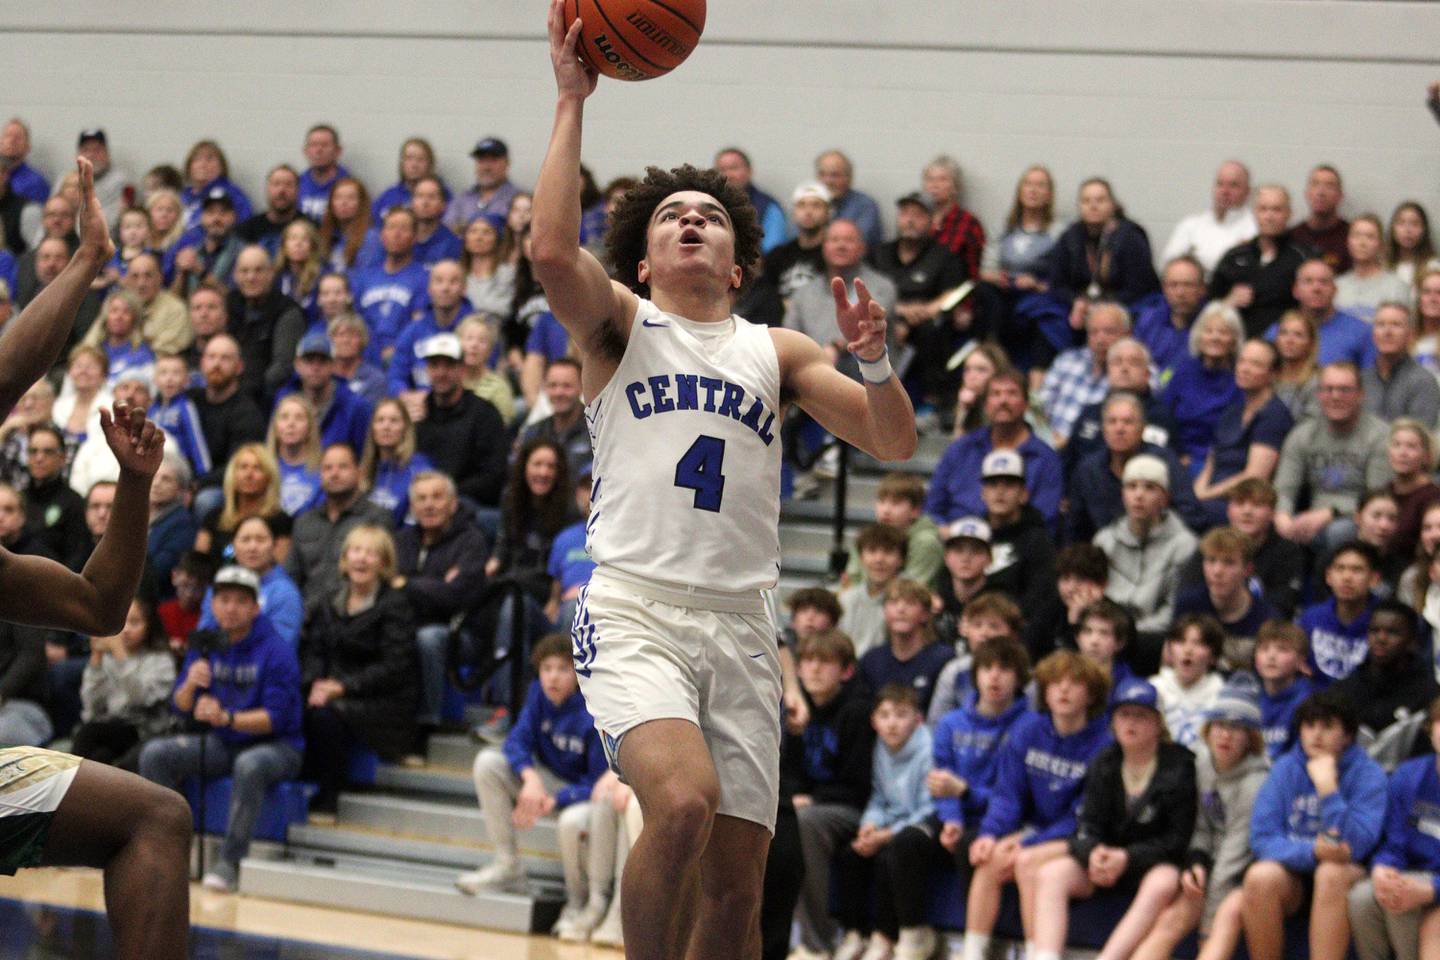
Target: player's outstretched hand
[(862, 323), (90, 221), (136, 442), (573, 76)]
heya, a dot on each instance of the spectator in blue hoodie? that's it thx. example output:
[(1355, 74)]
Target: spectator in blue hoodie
[(254, 547), (390, 462), (1134, 828), (900, 806), (1036, 797), (242, 681), (1339, 628), (445, 306), (1316, 820), (1282, 653), (1395, 909), (388, 293), (344, 414), (294, 439), (549, 763)]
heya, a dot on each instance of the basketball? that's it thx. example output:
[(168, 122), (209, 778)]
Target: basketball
[(636, 39)]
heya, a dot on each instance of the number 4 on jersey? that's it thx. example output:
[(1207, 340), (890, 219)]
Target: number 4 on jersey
[(700, 470)]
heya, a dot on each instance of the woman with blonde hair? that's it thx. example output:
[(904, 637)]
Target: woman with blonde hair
[(117, 331), (294, 441), (1297, 338), (477, 343), (1412, 453), (390, 460), (359, 674), (298, 265), (167, 219), (83, 392), (251, 489), (346, 221), (1427, 320)]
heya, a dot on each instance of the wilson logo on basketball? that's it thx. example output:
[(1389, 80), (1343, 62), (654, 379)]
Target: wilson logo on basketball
[(657, 35), (624, 70)]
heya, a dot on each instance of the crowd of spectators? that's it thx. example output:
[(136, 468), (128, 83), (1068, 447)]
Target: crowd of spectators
[(1214, 468)]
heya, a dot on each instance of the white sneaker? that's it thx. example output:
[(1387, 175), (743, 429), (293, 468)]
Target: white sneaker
[(610, 933), (916, 943), (505, 876), (828, 466), (879, 948), (851, 947), (572, 926), (218, 882), (802, 952)]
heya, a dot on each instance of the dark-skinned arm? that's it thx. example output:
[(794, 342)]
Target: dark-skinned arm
[(32, 341)]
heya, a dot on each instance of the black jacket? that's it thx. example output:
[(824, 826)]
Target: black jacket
[(55, 515), (831, 760), (373, 654), (1158, 828), (1273, 282), (462, 545), (1279, 566), (22, 663), (1023, 565), (268, 330), (1127, 269), (467, 441), (314, 559), (228, 425), (1382, 697)]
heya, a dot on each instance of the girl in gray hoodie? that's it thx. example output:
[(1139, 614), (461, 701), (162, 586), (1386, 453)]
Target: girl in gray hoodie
[(1230, 767)]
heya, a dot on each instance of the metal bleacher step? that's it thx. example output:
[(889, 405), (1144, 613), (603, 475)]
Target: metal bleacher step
[(439, 819), (431, 780), (813, 565), (385, 887), (822, 510), (804, 536), (347, 840), (454, 750)]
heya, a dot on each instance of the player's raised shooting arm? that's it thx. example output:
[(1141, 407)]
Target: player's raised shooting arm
[(32, 341), (876, 418), (580, 294)]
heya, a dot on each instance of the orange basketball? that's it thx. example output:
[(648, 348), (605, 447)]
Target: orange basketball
[(636, 39)]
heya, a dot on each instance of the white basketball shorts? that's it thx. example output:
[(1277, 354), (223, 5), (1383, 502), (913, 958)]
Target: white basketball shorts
[(640, 658)]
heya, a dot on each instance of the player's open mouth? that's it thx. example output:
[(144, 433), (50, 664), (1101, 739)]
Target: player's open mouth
[(690, 237)]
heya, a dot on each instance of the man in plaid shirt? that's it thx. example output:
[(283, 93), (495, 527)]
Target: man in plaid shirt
[(1077, 377)]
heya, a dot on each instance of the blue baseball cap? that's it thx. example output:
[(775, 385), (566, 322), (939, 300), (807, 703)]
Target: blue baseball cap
[(314, 344), (1135, 692)]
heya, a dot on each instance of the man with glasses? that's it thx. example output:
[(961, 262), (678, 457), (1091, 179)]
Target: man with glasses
[(54, 512), (1330, 461)]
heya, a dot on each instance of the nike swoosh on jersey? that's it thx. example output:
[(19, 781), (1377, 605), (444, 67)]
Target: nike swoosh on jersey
[(756, 656), (647, 323)]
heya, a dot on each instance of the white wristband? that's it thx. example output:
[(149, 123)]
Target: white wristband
[(875, 371)]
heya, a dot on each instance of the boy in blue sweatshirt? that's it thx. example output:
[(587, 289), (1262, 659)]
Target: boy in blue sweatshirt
[(243, 682), (826, 771), (1281, 654), (174, 412), (1339, 628), (1036, 797), (900, 810), (549, 762), (1395, 909), (1315, 821)]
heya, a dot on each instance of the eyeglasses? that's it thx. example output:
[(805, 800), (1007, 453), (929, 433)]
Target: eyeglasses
[(1333, 388), (45, 451)]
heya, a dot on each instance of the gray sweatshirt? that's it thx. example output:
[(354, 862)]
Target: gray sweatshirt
[(129, 690), (1335, 468), (1221, 842), (1144, 573)]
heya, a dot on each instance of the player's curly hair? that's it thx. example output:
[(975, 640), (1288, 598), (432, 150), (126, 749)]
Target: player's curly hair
[(625, 241)]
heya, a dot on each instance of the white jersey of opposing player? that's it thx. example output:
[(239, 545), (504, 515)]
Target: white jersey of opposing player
[(686, 471)]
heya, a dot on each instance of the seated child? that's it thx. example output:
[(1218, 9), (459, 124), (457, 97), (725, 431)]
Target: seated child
[(1282, 652), (1395, 909), (826, 771), (1227, 570), (1338, 628), (882, 554), (1136, 818), (1230, 767), (899, 814), (180, 615), (1188, 684), (899, 503), (987, 617), (910, 655), (1081, 573), (966, 562), (1393, 687), (551, 761), (1316, 820), (1032, 809)]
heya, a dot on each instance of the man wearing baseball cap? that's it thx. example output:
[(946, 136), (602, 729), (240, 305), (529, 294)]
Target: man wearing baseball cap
[(797, 261), (214, 252), (242, 684), (1147, 546), (462, 434), (113, 186), (492, 191), (1022, 552), (344, 414)]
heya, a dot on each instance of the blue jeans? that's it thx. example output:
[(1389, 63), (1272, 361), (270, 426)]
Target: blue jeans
[(431, 641), (536, 626), (254, 769), (24, 723)]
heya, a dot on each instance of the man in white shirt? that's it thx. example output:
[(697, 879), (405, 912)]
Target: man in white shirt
[(1208, 234)]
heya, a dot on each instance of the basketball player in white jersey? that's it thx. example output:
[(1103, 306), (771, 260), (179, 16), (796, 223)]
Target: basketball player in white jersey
[(675, 651)]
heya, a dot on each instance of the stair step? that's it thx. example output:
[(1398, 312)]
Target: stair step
[(341, 840), (437, 819), (806, 537), (455, 750), (429, 780), (806, 564), (417, 895), (823, 510)]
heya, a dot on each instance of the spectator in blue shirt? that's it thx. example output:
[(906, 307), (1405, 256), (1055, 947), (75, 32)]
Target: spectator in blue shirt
[(1395, 909), (206, 169), (1077, 377), (734, 164), (254, 549), (243, 682), (1202, 383), (322, 152), (21, 178), (388, 293), (1342, 337), (389, 462), (570, 561), (955, 485), (1315, 822), (445, 306), (1282, 652), (1250, 431), (344, 415), (834, 169), (417, 159), (1339, 628), (294, 439), (1165, 327), (433, 240), (910, 655)]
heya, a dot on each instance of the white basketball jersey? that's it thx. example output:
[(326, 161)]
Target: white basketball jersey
[(687, 456)]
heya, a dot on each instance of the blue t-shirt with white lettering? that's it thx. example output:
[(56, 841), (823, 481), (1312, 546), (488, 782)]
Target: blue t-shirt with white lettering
[(1336, 648), (385, 301), (570, 562)]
